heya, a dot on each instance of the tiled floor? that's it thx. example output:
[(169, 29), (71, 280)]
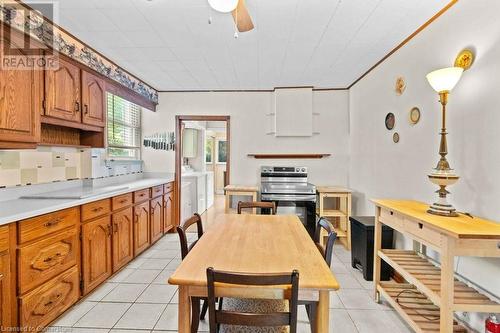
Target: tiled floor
[(138, 299)]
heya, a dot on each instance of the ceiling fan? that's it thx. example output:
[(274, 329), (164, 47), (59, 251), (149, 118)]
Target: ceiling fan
[(239, 11)]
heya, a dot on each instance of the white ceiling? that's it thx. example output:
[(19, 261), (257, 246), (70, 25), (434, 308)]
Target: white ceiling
[(170, 45)]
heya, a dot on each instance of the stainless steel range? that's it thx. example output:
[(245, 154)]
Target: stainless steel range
[(289, 189)]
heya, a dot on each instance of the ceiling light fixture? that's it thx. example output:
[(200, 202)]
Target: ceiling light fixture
[(223, 6)]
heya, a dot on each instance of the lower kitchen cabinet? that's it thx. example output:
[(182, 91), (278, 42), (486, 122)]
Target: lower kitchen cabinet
[(141, 227), (156, 219), (96, 252), (45, 303), (6, 297), (123, 238), (168, 211)]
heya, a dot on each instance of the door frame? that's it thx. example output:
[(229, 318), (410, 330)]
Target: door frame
[(178, 155)]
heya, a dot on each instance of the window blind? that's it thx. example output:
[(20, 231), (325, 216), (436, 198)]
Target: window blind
[(124, 127)]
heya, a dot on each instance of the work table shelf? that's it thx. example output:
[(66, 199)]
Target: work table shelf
[(435, 283), (426, 276)]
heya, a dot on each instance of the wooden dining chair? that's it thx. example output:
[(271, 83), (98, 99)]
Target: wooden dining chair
[(252, 312), (327, 252), (257, 204), (185, 248)]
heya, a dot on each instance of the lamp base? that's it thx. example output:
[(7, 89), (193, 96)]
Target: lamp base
[(442, 209)]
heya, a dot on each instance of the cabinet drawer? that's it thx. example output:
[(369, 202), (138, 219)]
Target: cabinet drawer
[(391, 218), (42, 305), (95, 209), (169, 187), (42, 260), (422, 232), (156, 191), (142, 195), (4, 238), (43, 225), (122, 201)]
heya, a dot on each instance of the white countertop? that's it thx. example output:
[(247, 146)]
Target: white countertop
[(195, 173), (20, 209)]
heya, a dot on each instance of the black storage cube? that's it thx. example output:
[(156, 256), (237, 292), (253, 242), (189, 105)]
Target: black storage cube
[(362, 230)]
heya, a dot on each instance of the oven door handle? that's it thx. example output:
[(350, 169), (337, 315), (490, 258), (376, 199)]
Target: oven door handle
[(275, 197)]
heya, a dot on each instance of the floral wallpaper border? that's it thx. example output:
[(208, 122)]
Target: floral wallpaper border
[(52, 36)]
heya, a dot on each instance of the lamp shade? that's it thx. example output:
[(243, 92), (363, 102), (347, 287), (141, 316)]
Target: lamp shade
[(223, 6), (444, 79)]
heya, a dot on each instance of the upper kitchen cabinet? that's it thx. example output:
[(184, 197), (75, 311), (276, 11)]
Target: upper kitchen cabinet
[(20, 99), (189, 143), (93, 100), (62, 92)]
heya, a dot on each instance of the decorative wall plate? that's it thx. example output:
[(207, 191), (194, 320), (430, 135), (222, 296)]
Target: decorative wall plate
[(395, 137), (400, 85), (414, 116), (464, 59), (390, 121)]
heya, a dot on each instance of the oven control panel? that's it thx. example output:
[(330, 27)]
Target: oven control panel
[(280, 170)]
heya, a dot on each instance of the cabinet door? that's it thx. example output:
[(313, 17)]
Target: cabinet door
[(5, 291), (62, 92), (96, 256), (20, 98), (93, 100), (156, 219), (141, 227), (123, 241), (168, 211)]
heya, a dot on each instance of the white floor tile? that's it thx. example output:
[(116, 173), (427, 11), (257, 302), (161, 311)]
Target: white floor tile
[(162, 278), (157, 293), (168, 319), (172, 265), (357, 299), (155, 263), (141, 316), (338, 268), (376, 321), (175, 299), (348, 281), (128, 331), (164, 254), (335, 302), (125, 292), (75, 330), (121, 275), (103, 315), (74, 314), (101, 291), (142, 276), (136, 263), (340, 321)]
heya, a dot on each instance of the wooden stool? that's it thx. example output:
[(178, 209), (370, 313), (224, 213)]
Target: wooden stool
[(241, 191)]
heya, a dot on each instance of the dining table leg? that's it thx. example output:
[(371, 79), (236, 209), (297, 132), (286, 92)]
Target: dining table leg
[(184, 310), (323, 312)]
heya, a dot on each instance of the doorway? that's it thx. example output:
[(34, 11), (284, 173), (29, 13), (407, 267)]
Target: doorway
[(202, 163)]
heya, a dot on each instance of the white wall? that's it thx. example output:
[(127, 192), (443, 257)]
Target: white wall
[(380, 168), (248, 133)]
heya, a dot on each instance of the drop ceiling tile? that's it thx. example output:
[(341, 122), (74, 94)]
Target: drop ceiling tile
[(168, 66), (86, 19), (127, 19)]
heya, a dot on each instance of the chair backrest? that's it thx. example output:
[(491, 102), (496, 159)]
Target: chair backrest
[(327, 250), (285, 281), (257, 204), (181, 230)]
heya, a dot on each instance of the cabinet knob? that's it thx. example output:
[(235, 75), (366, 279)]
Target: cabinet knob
[(52, 223)]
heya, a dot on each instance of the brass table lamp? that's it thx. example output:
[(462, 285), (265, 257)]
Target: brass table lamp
[(443, 81)]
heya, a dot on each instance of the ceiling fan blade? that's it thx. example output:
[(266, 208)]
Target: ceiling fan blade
[(242, 17)]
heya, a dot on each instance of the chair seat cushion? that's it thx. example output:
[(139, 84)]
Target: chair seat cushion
[(254, 306)]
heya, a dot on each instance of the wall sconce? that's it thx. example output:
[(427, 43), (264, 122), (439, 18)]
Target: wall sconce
[(443, 81)]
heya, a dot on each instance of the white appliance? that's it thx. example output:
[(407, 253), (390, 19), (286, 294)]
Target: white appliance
[(210, 189)]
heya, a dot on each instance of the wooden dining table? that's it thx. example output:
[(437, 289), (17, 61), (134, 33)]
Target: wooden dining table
[(256, 244)]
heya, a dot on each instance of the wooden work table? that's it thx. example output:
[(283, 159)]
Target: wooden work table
[(429, 288), (256, 244)]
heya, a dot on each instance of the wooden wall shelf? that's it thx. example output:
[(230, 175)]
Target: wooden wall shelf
[(288, 156)]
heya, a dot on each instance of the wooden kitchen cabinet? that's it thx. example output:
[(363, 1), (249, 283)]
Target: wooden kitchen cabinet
[(93, 100), (62, 92), (156, 211), (96, 252), (141, 227), (123, 241), (168, 211), (7, 298), (20, 98)]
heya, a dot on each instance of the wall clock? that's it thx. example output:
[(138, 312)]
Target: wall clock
[(395, 137)]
